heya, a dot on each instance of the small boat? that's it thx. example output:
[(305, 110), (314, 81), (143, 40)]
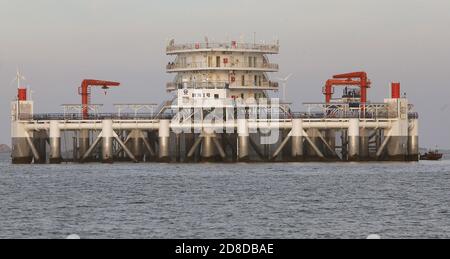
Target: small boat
[(432, 156)]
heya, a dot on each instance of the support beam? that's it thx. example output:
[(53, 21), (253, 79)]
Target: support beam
[(124, 147), (147, 145), (282, 145), (83, 143), (85, 156), (256, 148), (219, 148), (35, 152), (384, 145), (313, 146), (125, 142), (194, 147), (327, 145)]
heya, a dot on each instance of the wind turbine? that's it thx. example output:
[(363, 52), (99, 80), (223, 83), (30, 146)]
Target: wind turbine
[(284, 82), (18, 78)]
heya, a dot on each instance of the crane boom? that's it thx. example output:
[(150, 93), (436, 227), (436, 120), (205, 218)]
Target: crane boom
[(85, 93)]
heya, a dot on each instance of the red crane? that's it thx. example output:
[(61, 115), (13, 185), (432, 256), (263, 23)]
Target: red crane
[(86, 93), (348, 80)]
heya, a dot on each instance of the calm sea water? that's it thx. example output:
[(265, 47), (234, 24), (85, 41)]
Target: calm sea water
[(394, 200)]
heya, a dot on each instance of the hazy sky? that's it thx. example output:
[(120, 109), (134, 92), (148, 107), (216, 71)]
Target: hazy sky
[(57, 43)]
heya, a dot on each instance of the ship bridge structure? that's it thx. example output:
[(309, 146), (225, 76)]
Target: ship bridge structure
[(221, 110)]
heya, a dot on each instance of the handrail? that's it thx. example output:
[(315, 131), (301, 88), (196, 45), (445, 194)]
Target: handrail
[(171, 115), (172, 86), (270, 48), (205, 65)]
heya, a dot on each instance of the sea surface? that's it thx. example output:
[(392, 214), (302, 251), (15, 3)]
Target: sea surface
[(311, 200)]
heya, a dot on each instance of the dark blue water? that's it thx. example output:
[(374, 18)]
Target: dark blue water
[(394, 200)]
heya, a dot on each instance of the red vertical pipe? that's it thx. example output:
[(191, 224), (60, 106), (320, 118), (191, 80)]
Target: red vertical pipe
[(328, 92), (85, 99), (396, 90), (22, 94)]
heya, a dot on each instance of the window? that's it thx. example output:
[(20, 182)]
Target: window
[(210, 62), (243, 80), (216, 96), (218, 61)]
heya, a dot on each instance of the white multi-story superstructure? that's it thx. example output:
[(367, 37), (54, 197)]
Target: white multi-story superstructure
[(230, 70)]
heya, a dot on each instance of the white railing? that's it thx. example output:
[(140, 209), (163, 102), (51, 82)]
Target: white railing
[(171, 86), (204, 65), (269, 48)]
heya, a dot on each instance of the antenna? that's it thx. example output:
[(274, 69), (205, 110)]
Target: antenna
[(18, 78)]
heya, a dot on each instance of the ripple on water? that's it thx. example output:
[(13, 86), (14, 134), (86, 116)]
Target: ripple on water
[(296, 200)]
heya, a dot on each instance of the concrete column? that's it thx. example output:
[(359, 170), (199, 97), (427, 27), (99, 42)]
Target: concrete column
[(364, 144), (208, 149), (55, 143), (21, 151), (136, 145), (413, 141), (83, 143), (353, 140), (397, 148), (164, 141), (297, 140), (107, 141), (243, 140)]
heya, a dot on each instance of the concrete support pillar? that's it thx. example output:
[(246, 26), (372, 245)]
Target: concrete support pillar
[(397, 148), (55, 143), (107, 141), (413, 141), (208, 149), (164, 141), (243, 140), (136, 145), (364, 144), (83, 143), (353, 140), (297, 140), (21, 151)]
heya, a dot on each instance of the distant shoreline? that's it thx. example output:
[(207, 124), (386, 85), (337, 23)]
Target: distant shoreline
[(4, 148)]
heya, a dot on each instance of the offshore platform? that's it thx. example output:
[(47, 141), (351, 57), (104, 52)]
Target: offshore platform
[(221, 110)]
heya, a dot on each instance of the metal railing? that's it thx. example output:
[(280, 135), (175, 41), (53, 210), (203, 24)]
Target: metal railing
[(206, 66), (219, 85), (268, 48), (249, 114), (100, 116)]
